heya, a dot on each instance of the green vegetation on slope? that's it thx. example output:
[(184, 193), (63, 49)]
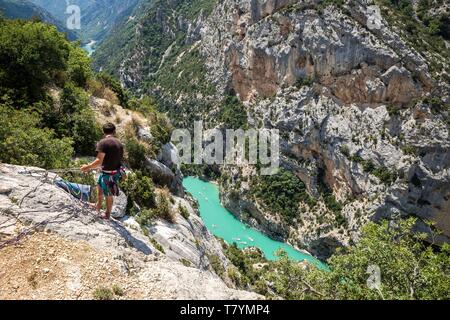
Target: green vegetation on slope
[(192, 9), (385, 175), (172, 67), (46, 118), (33, 58), (183, 76), (330, 200), (282, 193), (425, 28), (22, 142), (140, 191), (409, 269), (154, 26), (233, 113)]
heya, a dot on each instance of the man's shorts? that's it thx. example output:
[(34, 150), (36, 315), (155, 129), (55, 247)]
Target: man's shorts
[(109, 182)]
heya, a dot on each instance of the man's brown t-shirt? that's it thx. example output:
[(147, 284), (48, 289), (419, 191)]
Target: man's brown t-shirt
[(113, 150)]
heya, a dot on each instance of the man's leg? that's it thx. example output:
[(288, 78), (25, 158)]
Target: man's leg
[(109, 205), (99, 199)]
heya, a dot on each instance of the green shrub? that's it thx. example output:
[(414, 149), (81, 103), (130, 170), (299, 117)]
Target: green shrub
[(23, 143), (393, 111), (157, 245), (357, 158), (145, 217), (79, 66), (140, 190), (76, 119), (304, 82), (282, 193), (192, 9), (384, 174), (136, 153), (160, 126), (409, 150), (185, 262), (332, 204), (436, 104), (183, 211), (410, 269), (110, 82), (245, 275), (117, 290), (161, 129), (238, 259), (233, 113), (33, 55), (39, 57), (345, 151), (146, 105), (85, 132), (73, 99), (237, 278), (216, 264), (163, 209), (330, 200), (103, 293), (427, 32), (368, 166)]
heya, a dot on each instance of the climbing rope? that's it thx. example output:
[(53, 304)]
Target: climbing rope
[(84, 207), (69, 170)]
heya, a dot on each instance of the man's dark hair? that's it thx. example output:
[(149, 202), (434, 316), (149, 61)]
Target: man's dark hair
[(109, 128)]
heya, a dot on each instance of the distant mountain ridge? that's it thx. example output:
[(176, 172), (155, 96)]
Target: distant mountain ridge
[(58, 7), (98, 17), (23, 9)]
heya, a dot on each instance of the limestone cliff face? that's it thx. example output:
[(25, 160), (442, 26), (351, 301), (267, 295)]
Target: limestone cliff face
[(269, 46), (363, 100), (317, 130), (30, 203)]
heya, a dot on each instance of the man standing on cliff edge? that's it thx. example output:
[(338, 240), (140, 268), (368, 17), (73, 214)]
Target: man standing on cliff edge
[(109, 158)]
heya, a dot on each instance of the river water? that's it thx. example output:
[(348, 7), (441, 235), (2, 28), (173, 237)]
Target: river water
[(90, 47), (226, 226)]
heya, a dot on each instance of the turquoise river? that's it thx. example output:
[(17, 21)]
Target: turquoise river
[(224, 225)]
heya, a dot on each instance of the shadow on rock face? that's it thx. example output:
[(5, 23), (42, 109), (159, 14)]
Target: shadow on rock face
[(324, 248), (426, 196), (132, 241)]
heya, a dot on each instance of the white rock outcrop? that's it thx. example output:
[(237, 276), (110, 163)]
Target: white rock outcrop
[(30, 202)]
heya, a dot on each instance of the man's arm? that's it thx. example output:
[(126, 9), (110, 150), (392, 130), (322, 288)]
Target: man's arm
[(97, 163)]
